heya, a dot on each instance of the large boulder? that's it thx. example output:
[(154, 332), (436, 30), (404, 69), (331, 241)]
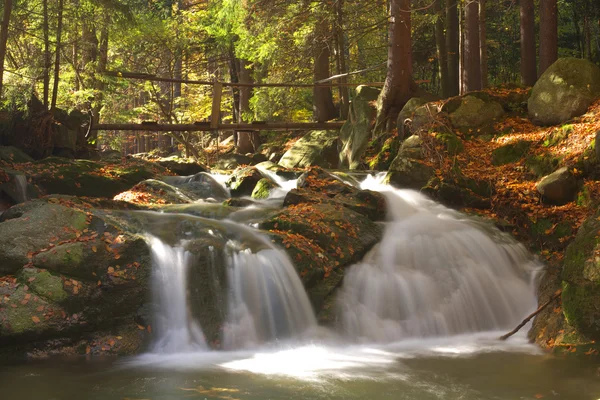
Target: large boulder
[(199, 186), (152, 192), (68, 270), (581, 280), (565, 90), (356, 132), (316, 148), (409, 173), (243, 181), (475, 112), (560, 187)]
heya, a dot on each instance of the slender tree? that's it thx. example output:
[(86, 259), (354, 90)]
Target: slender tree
[(323, 107), (452, 46), (528, 59), (57, 55), (442, 53), (548, 33), (472, 65), (483, 51), (47, 60), (4, 37), (398, 86)]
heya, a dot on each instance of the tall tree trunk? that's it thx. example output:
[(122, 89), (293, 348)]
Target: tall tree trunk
[(98, 83), (398, 86), (442, 53), (578, 36), (452, 45), (57, 55), (483, 54), (341, 59), (323, 107), (47, 60), (247, 141), (528, 58), (587, 37), (4, 38), (548, 34), (472, 76)]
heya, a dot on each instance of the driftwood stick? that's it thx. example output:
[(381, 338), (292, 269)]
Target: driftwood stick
[(555, 296)]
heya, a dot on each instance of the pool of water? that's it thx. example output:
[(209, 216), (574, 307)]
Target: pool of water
[(466, 368)]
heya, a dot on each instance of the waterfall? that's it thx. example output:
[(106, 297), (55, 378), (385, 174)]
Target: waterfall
[(267, 300), (435, 273), (21, 186), (176, 330)]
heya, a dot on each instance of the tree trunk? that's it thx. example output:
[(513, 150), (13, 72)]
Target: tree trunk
[(323, 107), (442, 54), (4, 38), (548, 34), (578, 35), (57, 55), (341, 59), (98, 84), (587, 37), (472, 76), (397, 89), (47, 60), (452, 45), (483, 55), (247, 142), (528, 59)]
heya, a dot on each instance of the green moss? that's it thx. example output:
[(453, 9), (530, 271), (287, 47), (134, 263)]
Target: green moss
[(545, 233), (453, 144), (44, 284), (263, 189), (510, 153), (542, 165), (558, 135), (580, 307), (67, 258)]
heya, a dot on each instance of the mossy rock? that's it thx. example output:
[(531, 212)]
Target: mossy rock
[(542, 165), (243, 181), (232, 161), (412, 147), (155, 192), (474, 113), (510, 153), (451, 142), (10, 154), (406, 173), (545, 234), (263, 189), (558, 135), (316, 148), (182, 166), (384, 157), (565, 90)]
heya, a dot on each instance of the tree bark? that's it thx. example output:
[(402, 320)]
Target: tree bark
[(57, 55), (442, 53), (483, 54), (47, 60), (472, 76), (323, 107), (397, 89), (548, 34), (4, 38), (341, 58), (452, 45), (247, 142), (528, 58)]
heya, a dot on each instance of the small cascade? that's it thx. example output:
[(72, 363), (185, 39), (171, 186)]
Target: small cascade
[(21, 186), (177, 332), (435, 273), (266, 298), (285, 185)]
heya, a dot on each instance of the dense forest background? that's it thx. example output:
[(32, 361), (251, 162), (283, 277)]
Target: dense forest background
[(72, 54)]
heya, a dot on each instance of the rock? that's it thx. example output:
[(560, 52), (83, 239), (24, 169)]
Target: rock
[(560, 187), (16, 188), (65, 141), (408, 173), (412, 148), (581, 280), (12, 154), (356, 132), (155, 192), (423, 118), (383, 159), (263, 189), (198, 186), (565, 90), (182, 166), (316, 148), (277, 170), (474, 113), (450, 140), (510, 153), (243, 181), (73, 270), (232, 161), (406, 115)]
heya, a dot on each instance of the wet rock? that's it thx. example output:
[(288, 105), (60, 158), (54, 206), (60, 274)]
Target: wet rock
[(243, 181), (155, 192), (316, 148), (263, 189), (408, 173)]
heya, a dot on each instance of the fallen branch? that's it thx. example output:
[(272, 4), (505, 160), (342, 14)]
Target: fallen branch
[(555, 296)]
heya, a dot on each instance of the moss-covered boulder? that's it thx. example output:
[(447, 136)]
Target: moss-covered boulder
[(412, 148), (356, 132), (72, 270), (581, 279), (316, 148), (154, 192), (199, 186), (232, 161), (474, 113), (451, 142), (263, 189), (511, 152), (406, 115), (565, 90), (408, 173), (277, 169), (10, 154), (560, 187), (182, 166), (243, 181)]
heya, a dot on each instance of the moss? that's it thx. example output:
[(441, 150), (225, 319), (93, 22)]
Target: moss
[(45, 284), (385, 156), (67, 258), (510, 153), (542, 165), (452, 142), (263, 189), (580, 307), (545, 233), (558, 135)]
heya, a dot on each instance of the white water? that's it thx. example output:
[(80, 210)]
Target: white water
[(436, 273), (176, 331), (21, 185)]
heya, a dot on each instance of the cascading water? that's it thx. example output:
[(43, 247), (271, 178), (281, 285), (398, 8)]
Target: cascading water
[(435, 273), (177, 332)]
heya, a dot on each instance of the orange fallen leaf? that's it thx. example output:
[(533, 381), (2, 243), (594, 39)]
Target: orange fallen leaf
[(35, 319)]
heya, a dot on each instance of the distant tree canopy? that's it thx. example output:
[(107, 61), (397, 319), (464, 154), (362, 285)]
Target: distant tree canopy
[(61, 49)]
